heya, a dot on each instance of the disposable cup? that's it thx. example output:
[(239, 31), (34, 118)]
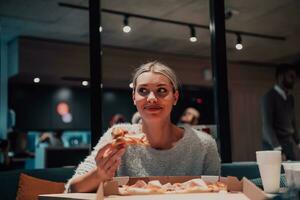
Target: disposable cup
[(269, 164), (292, 173)]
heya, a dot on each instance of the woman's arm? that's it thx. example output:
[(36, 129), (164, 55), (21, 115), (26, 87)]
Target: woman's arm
[(212, 161), (106, 167), (87, 177)]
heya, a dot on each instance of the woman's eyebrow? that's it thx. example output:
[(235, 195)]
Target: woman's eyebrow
[(162, 84), (145, 84)]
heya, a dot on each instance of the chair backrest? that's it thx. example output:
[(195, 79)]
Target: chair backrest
[(9, 180), (240, 169)]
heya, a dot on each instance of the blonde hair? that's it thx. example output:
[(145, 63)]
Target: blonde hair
[(156, 67)]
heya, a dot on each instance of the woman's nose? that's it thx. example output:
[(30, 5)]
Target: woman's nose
[(151, 97)]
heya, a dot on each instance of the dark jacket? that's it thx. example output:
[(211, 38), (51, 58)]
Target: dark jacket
[(278, 117)]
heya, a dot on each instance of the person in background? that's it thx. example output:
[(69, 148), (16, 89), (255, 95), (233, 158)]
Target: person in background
[(5, 160), (116, 119), (278, 115), (51, 139), (173, 150), (18, 144), (190, 116)]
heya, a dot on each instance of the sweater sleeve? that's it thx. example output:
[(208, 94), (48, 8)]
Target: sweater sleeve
[(89, 162), (211, 165), (267, 111)]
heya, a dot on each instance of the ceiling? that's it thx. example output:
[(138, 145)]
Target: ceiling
[(46, 19)]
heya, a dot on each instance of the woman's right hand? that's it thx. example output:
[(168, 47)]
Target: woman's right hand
[(108, 159)]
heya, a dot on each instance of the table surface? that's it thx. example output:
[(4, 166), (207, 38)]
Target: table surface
[(191, 196)]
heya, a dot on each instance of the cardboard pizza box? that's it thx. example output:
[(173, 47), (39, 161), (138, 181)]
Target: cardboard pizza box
[(237, 190)]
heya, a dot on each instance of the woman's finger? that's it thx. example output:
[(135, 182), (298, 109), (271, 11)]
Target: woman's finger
[(102, 151), (103, 160), (112, 170), (113, 157)]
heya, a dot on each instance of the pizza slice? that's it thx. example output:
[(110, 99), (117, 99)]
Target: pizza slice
[(141, 187), (218, 186), (123, 138), (196, 185)]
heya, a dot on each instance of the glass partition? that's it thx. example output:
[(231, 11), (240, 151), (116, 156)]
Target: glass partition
[(45, 54)]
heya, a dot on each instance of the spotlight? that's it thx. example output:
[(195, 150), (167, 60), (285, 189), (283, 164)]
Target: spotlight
[(85, 83), (193, 37), (238, 45), (126, 27), (131, 85), (36, 80), (100, 29)]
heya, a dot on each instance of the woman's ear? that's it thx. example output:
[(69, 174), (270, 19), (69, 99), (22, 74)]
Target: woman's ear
[(133, 98), (176, 97)]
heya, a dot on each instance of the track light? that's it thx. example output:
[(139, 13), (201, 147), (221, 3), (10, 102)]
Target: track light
[(193, 37), (238, 45), (181, 23), (85, 83), (126, 27), (36, 80)]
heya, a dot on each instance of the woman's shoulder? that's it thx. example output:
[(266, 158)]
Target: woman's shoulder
[(201, 136)]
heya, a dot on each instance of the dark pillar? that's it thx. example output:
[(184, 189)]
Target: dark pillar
[(219, 65), (95, 71)]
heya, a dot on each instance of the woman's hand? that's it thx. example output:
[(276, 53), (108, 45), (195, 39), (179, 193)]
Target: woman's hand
[(108, 160)]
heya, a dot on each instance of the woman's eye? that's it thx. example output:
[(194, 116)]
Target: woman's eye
[(143, 91), (162, 91)]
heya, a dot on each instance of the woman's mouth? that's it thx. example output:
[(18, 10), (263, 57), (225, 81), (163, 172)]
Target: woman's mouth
[(153, 107)]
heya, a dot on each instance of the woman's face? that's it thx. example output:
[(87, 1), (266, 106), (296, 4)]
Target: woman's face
[(154, 96)]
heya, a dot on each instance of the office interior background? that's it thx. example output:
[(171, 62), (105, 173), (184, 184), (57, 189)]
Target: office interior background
[(45, 68)]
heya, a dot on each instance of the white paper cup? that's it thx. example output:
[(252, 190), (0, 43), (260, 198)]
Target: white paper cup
[(292, 173), (269, 164)]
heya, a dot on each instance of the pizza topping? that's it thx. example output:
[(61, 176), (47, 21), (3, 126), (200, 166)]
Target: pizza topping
[(140, 184), (118, 132), (154, 185)]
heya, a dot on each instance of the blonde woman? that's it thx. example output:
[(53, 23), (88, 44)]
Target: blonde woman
[(173, 150)]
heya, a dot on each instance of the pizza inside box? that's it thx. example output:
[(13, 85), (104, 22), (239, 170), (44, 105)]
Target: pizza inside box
[(170, 187)]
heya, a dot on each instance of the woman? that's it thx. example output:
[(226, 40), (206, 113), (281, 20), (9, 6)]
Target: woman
[(173, 150)]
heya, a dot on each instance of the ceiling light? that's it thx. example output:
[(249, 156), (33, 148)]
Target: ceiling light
[(193, 37), (126, 27), (36, 80), (85, 83), (131, 85), (100, 29), (238, 45)]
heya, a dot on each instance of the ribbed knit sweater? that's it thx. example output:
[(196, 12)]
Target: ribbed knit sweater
[(194, 154)]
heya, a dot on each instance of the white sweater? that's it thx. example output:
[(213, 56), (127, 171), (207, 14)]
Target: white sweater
[(194, 154)]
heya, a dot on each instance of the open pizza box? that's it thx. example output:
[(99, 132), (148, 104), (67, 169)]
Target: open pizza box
[(237, 190)]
